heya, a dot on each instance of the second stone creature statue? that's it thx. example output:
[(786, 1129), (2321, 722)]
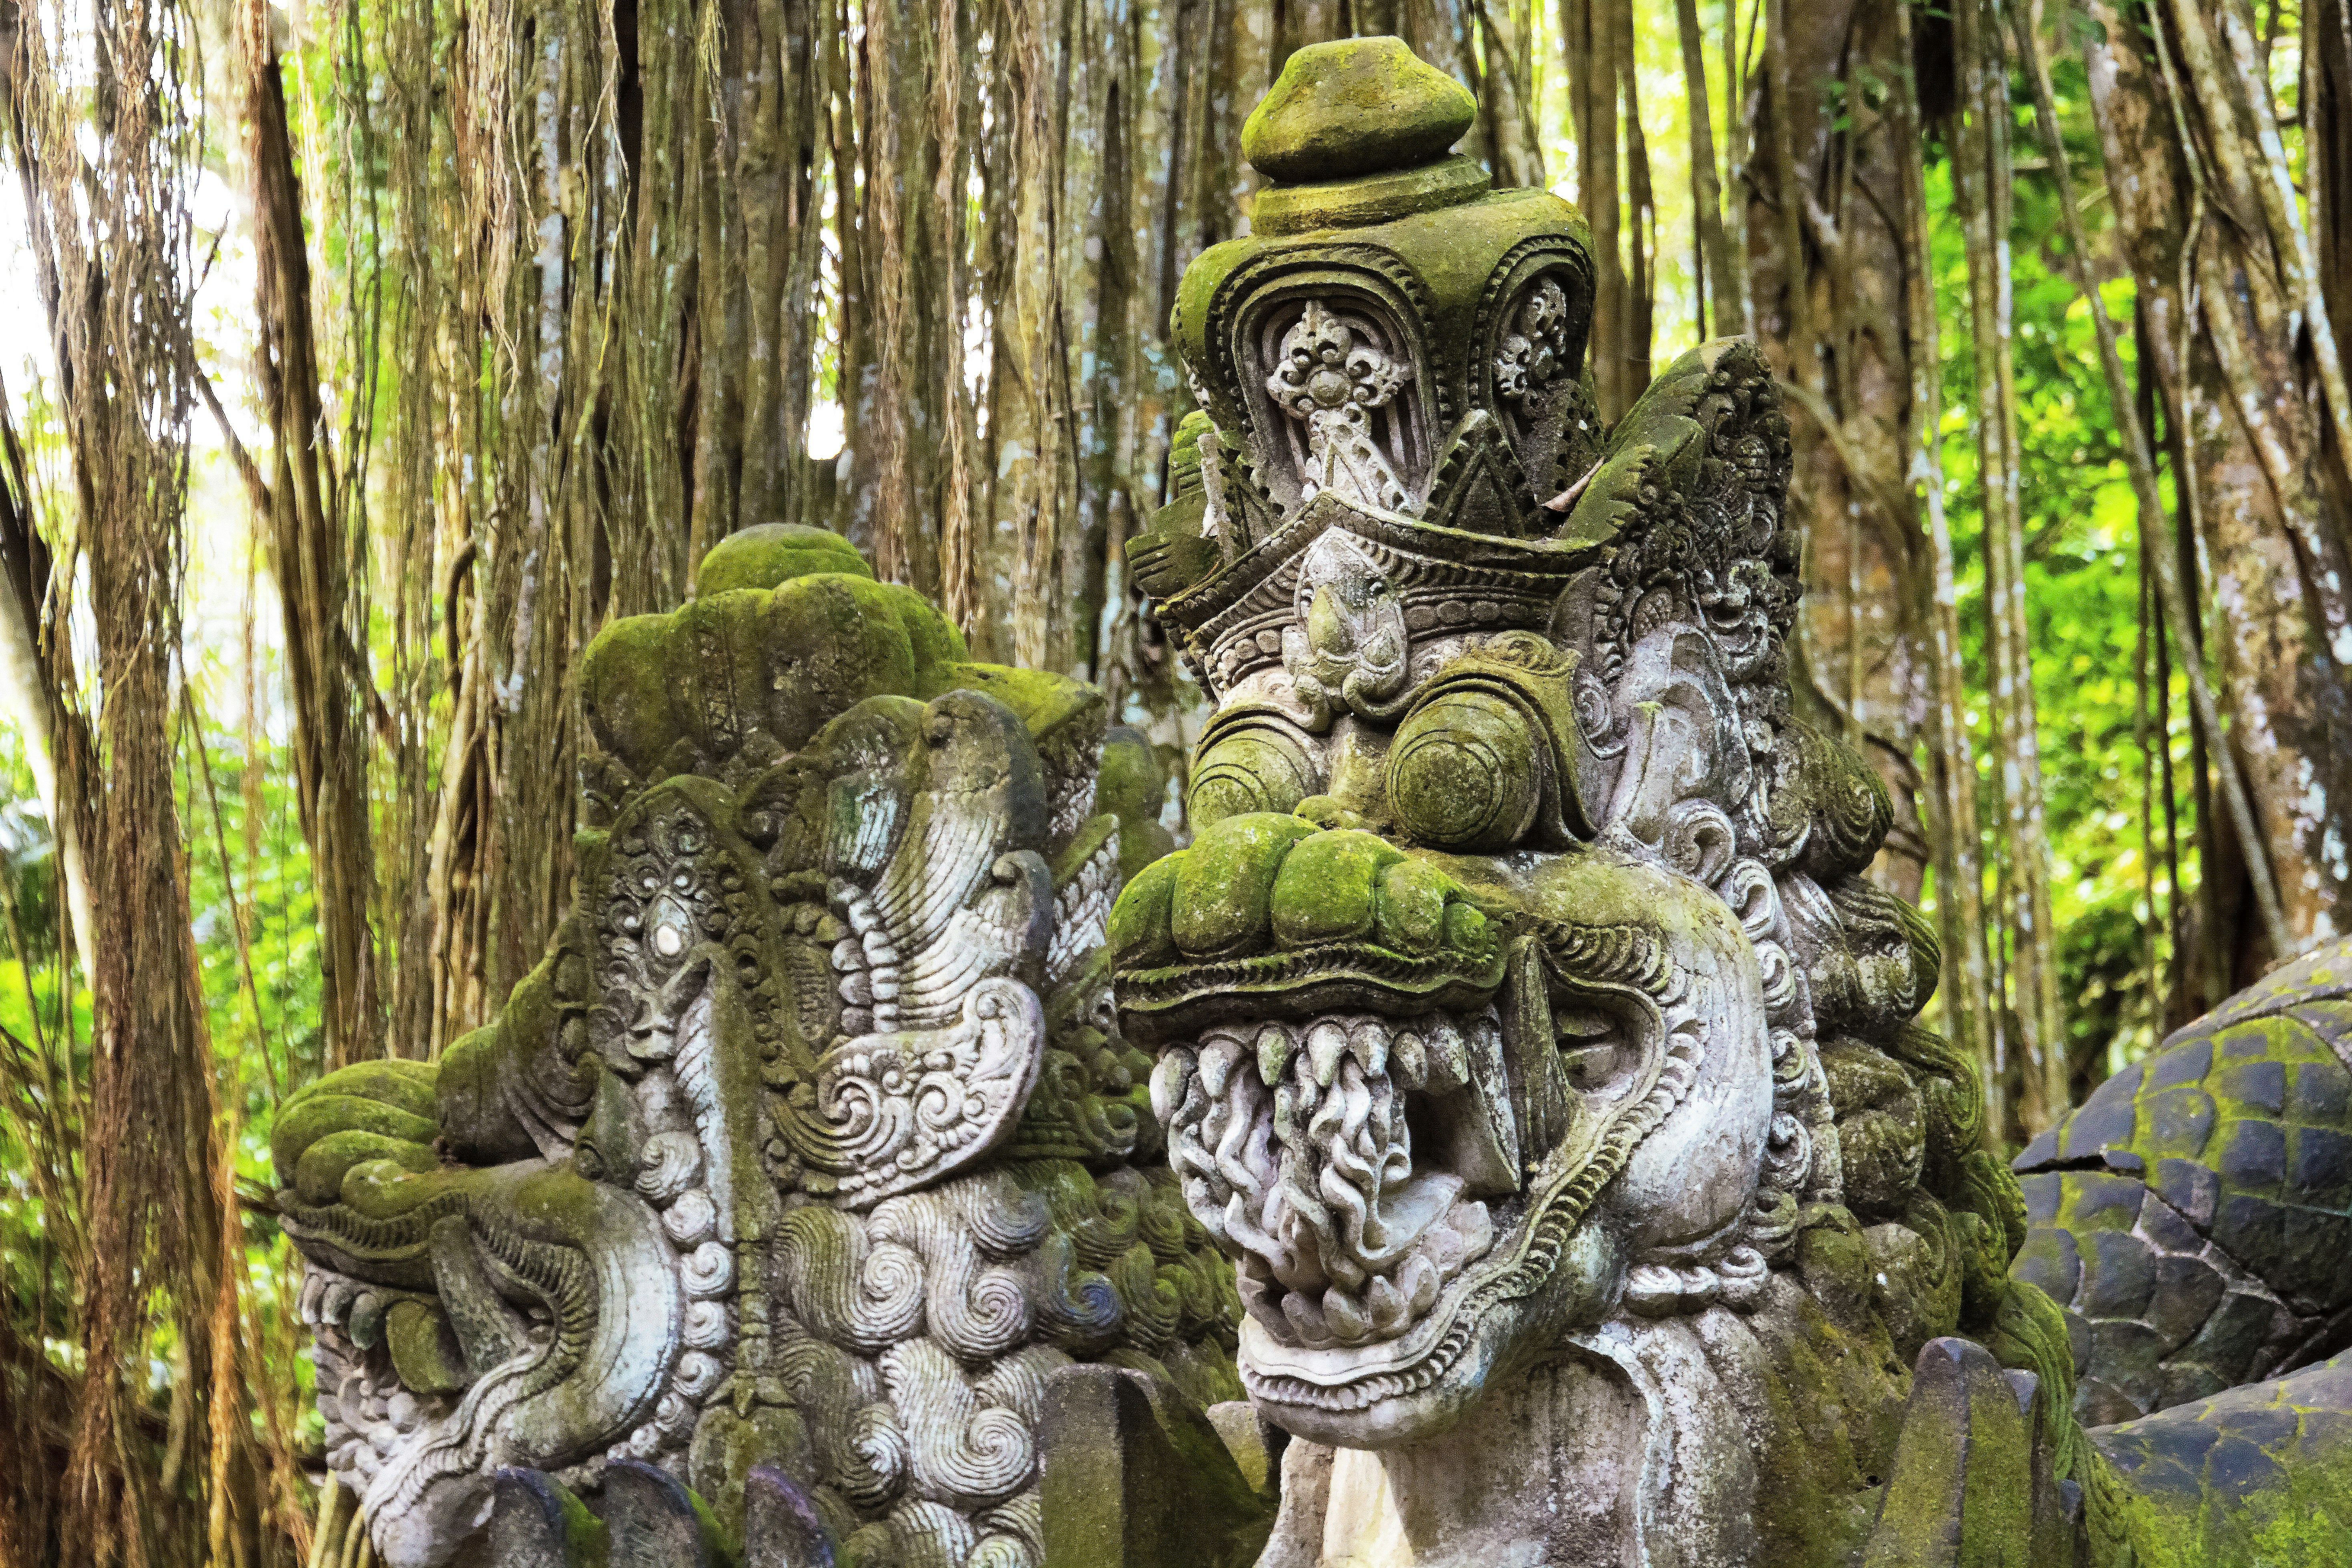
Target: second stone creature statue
[(812, 1144), (1543, 1110)]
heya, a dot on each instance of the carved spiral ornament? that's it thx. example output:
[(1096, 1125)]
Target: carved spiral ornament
[(1465, 773), (1260, 768), (889, 1113)]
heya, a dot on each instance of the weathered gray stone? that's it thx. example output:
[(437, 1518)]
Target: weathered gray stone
[(1531, 1038), (813, 1146), (1526, 1031)]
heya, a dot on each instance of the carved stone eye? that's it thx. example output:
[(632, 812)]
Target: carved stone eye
[(1465, 774), (1254, 769), (1593, 1050), (669, 941)]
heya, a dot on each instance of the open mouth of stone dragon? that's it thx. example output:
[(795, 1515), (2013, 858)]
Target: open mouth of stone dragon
[(1347, 1161), (1395, 1086)]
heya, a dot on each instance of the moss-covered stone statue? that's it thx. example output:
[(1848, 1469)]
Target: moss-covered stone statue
[(1529, 1033), (778, 1207), (1517, 1069)]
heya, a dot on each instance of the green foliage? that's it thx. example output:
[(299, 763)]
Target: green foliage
[(2083, 597), (265, 1032)]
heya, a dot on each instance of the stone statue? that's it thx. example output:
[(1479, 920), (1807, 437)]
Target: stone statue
[(811, 1144), (1515, 1091), (1529, 1033)]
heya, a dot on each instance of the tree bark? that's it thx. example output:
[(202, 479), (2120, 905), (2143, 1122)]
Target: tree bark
[(1830, 273), (1587, 30), (1981, 182), (1975, 1024), (1641, 217), (2241, 386), (1722, 279), (327, 675), (114, 244)]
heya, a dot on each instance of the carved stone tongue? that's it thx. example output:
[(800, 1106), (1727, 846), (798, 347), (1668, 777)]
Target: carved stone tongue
[(1295, 1150)]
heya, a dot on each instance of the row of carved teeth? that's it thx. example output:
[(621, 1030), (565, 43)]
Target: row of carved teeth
[(867, 962), (1390, 1303), (1435, 1056), (370, 1424), (1429, 1055)]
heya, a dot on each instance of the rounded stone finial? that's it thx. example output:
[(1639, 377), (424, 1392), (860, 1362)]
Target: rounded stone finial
[(769, 553), (1355, 107)]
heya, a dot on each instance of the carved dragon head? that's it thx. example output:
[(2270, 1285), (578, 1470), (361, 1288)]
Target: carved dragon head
[(813, 1141), (1521, 991)]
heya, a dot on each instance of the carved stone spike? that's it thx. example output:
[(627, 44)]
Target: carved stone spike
[(782, 1526), (536, 1521), (1136, 1478), (652, 1522), (1971, 1479)]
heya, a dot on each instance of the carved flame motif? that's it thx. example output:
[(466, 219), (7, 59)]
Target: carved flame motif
[(1536, 349), (1331, 377), (941, 1036)]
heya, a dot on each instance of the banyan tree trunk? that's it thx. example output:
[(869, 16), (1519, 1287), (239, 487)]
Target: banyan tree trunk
[(2253, 403), (1836, 228)]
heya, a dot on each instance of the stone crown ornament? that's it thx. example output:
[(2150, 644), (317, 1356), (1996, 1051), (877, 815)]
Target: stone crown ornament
[(1388, 393), (1388, 378)]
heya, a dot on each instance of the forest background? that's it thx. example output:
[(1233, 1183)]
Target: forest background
[(362, 357)]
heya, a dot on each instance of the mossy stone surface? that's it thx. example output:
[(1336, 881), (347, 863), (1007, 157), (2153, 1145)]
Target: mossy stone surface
[(340, 1104), (424, 1354), (1355, 107), (775, 552), (319, 1173), (1132, 786), (1224, 885), (1248, 771), (1373, 199), (1465, 773), (1452, 253), (1141, 932), (2259, 1476), (682, 691), (1325, 890), (1260, 886)]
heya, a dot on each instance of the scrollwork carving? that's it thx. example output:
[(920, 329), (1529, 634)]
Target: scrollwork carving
[(1535, 352), (1332, 375)]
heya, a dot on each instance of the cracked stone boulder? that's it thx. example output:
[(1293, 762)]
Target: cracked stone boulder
[(812, 1153), (1528, 1031)]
